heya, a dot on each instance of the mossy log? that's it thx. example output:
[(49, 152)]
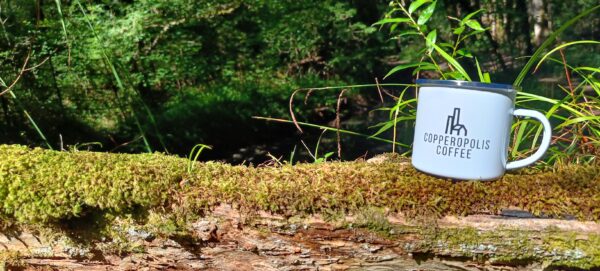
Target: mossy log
[(85, 210)]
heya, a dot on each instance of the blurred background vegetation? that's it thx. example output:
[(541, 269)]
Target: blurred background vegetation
[(165, 75)]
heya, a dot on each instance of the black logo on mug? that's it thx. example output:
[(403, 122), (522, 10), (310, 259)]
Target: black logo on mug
[(453, 123)]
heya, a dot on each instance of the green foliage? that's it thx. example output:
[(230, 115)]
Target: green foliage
[(41, 186), (155, 74), (575, 112), (193, 156), (421, 30)]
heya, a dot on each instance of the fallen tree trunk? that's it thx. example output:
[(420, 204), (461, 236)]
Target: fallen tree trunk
[(229, 240), (96, 211)]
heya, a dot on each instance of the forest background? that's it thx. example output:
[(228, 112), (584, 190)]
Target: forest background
[(158, 75)]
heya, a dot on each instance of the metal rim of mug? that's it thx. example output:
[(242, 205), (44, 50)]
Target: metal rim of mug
[(503, 89)]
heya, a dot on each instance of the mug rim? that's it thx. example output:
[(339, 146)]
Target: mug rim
[(493, 87)]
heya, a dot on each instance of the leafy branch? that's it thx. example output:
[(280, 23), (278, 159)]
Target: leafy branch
[(415, 19)]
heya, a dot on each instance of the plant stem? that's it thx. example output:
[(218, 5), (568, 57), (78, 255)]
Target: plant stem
[(416, 26)]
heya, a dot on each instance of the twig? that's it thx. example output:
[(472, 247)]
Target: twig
[(274, 161), (37, 65), (164, 30), (23, 70), (379, 89), (124, 144), (308, 93), (337, 122), (292, 111), (389, 94), (562, 55), (308, 150)]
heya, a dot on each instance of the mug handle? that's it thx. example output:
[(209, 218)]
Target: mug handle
[(545, 139)]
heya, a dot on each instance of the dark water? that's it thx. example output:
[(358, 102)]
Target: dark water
[(304, 145), (358, 119)]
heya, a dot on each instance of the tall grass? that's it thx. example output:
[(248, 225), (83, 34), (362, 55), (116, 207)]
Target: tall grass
[(577, 115), (125, 90), (577, 136), (31, 120), (9, 90), (393, 142), (64, 27), (194, 154)]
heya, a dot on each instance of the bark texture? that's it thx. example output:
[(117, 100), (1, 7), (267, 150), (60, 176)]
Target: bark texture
[(230, 240)]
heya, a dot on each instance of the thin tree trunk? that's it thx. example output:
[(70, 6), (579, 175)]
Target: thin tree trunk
[(523, 27), (39, 14), (540, 22), (509, 26), (56, 87), (5, 109)]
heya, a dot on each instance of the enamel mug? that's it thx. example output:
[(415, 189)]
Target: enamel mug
[(463, 129)]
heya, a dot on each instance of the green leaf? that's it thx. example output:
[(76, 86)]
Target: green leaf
[(483, 76), (470, 15), (578, 120), (455, 75), (563, 46), (431, 38), (474, 25), (452, 62), (519, 138), (391, 12), (473, 33), (384, 127), (424, 17), (540, 98), (408, 33), (425, 67), (595, 70), (389, 124), (464, 52), (486, 77), (445, 44), (392, 21), (401, 67), (479, 73), (416, 4), (459, 30)]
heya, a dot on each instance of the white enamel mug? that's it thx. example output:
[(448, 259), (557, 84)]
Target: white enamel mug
[(463, 129)]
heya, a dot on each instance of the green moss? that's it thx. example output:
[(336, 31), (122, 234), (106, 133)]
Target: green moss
[(10, 260), (374, 219), (571, 250), (122, 198), (513, 247), (41, 186)]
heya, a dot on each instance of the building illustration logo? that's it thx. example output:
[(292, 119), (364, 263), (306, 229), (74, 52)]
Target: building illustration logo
[(453, 123)]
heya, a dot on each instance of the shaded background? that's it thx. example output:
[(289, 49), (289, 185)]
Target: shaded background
[(158, 75)]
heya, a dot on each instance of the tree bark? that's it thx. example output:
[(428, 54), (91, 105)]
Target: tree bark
[(227, 239), (540, 21), (523, 28)]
